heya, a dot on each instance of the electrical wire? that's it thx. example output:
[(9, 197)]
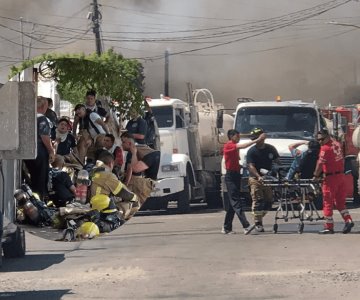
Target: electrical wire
[(334, 5)]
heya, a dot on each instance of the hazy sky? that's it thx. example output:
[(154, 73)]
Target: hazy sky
[(306, 60)]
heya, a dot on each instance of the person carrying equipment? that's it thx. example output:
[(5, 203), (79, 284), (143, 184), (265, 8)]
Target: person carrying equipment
[(331, 164)]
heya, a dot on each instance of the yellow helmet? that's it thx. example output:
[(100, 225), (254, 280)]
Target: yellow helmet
[(102, 203), (88, 230)]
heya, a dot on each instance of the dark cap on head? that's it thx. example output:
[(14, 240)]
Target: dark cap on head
[(314, 146), (255, 133), (78, 106), (231, 133)]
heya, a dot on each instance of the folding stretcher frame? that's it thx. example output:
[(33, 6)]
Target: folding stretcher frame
[(295, 200)]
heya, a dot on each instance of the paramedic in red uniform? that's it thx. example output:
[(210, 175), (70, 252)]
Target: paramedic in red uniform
[(331, 164), (233, 203)]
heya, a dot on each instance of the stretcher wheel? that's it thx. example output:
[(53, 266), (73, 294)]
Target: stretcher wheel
[(301, 228), (275, 228)]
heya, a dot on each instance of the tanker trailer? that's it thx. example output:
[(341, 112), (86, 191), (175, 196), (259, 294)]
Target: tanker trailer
[(190, 166)]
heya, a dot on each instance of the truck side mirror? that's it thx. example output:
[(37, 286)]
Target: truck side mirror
[(220, 119)]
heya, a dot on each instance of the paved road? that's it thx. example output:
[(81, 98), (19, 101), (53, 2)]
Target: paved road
[(163, 256)]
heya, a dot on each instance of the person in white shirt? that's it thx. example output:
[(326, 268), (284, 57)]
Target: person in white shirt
[(93, 124)]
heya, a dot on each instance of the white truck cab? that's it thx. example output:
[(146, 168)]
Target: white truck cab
[(190, 165), (284, 123)]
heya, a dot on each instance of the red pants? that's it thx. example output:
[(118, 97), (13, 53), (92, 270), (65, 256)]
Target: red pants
[(334, 195)]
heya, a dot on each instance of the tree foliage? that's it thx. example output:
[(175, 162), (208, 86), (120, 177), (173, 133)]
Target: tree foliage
[(110, 74)]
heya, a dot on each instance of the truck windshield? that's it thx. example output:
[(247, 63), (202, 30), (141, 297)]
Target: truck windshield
[(278, 122), (163, 116)]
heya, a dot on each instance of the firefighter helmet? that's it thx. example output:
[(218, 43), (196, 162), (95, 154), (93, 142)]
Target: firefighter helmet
[(88, 230), (256, 132), (103, 203)]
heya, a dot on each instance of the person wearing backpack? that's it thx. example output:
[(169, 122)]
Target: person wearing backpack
[(92, 129)]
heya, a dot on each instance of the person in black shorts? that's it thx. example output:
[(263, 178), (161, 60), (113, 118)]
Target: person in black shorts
[(143, 159)]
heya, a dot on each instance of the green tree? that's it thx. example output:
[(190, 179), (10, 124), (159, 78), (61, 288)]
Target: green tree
[(110, 74)]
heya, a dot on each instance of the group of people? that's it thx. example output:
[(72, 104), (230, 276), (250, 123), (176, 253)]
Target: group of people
[(322, 160), (88, 142)]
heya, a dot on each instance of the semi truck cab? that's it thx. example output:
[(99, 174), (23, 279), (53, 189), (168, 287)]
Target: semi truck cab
[(283, 122)]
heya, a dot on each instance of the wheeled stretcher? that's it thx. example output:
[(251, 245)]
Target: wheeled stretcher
[(295, 200)]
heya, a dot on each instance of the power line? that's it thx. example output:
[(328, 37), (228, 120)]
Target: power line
[(323, 8)]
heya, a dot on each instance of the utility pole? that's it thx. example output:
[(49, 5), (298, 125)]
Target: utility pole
[(22, 39), (166, 87), (96, 17)]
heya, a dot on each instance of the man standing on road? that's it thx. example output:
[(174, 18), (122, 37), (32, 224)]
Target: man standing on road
[(233, 203), (331, 164), (260, 156), (39, 167)]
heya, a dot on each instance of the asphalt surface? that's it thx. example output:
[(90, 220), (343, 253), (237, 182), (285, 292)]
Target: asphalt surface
[(170, 256)]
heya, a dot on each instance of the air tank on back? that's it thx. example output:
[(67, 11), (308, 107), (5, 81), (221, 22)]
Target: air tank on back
[(207, 114)]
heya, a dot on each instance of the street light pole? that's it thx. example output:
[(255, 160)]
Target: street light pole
[(22, 39)]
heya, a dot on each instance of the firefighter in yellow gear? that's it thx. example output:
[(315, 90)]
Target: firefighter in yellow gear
[(104, 182)]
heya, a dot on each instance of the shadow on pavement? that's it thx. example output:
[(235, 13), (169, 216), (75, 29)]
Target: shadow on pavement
[(39, 295), (28, 263), (201, 209)]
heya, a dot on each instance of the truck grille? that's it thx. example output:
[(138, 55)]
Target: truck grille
[(286, 161)]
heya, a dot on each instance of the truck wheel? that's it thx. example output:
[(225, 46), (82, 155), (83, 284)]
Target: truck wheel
[(183, 201), (16, 247)]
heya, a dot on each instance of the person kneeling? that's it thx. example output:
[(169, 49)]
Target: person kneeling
[(61, 188)]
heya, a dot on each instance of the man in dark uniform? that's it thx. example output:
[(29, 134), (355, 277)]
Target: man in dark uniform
[(39, 167), (137, 126), (331, 164), (51, 115), (62, 188), (260, 156), (233, 203)]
